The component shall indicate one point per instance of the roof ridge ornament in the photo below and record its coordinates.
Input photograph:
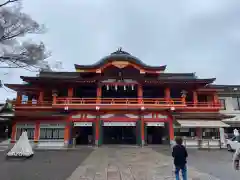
(120, 51)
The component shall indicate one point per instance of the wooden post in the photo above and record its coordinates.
(171, 129)
(37, 132)
(13, 135)
(167, 95)
(140, 94)
(70, 94)
(142, 130)
(215, 100)
(40, 97)
(54, 99)
(66, 133)
(97, 124)
(19, 98)
(54, 94)
(195, 98)
(99, 94)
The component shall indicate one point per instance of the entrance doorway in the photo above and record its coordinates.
(155, 133)
(83, 134)
(119, 133)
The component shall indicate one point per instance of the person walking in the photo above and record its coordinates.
(236, 159)
(180, 155)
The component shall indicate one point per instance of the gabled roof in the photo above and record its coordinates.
(6, 111)
(120, 55)
(202, 82)
(226, 89)
(59, 74)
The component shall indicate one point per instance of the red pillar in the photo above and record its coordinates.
(13, 135)
(167, 95)
(215, 100)
(66, 133)
(19, 98)
(37, 131)
(142, 130)
(97, 130)
(140, 94)
(195, 98)
(70, 94)
(171, 129)
(99, 94)
(40, 97)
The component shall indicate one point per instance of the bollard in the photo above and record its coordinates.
(208, 146)
(74, 142)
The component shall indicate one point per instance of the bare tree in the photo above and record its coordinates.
(15, 53)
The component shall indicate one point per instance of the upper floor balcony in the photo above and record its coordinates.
(68, 103)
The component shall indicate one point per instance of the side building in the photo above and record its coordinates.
(229, 97)
(118, 100)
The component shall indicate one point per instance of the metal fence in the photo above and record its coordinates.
(203, 143)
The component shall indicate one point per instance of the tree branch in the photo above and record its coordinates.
(8, 2)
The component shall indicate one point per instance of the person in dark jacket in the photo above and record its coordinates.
(180, 155)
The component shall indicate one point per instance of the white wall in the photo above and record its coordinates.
(230, 109)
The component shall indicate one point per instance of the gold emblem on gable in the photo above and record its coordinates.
(120, 64)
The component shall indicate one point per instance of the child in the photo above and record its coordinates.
(180, 155)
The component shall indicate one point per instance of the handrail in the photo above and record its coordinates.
(111, 101)
(117, 101)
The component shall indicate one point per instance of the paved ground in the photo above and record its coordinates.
(116, 163)
(45, 165)
(215, 162)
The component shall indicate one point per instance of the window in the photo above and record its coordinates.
(223, 104)
(236, 103)
(51, 133)
(210, 133)
(30, 133)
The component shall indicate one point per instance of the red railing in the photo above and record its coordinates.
(159, 102)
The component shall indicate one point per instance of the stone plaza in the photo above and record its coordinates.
(116, 163)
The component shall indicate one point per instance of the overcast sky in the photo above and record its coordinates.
(188, 36)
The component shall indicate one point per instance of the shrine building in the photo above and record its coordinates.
(118, 100)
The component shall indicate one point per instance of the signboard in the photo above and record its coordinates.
(52, 125)
(119, 124)
(83, 124)
(21, 125)
(155, 124)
